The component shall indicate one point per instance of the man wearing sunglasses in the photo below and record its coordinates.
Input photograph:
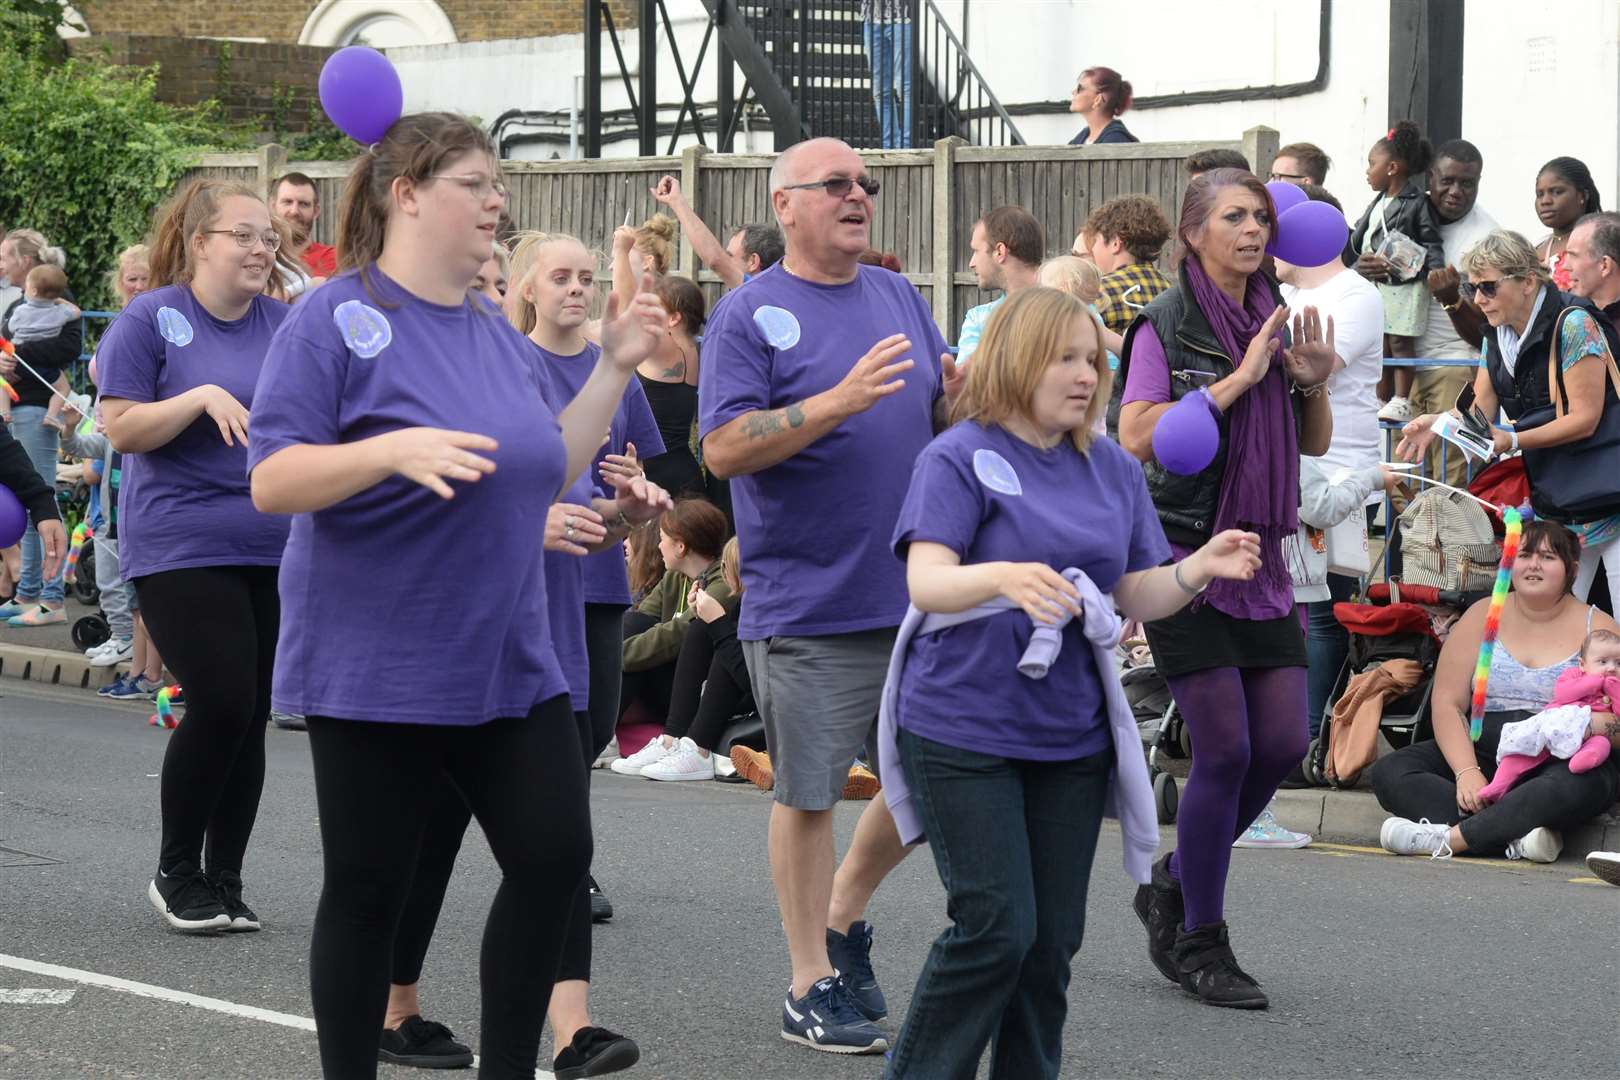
(820, 385)
(1455, 325)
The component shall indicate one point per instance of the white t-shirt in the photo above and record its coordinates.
(1440, 340)
(1358, 334)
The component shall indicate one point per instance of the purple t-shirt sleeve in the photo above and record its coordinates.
(1148, 547)
(942, 505)
(299, 393)
(735, 376)
(641, 427)
(129, 357)
(1149, 375)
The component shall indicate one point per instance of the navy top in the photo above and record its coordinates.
(1114, 132)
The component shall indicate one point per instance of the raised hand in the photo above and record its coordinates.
(1257, 359)
(639, 499)
(1309, 361)
(630, 337)
(953, 377)
(431, 456)
(667, 191)
(625, 465)
(875, 376)
(1445, 284)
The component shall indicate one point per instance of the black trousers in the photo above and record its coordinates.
(1415, 782)
(375, 787)
(216, 627)
(705, 694)
(604, 651)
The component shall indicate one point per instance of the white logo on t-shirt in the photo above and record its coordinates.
(363, 327)
(996, 472)
(779, 325)
(174, 327)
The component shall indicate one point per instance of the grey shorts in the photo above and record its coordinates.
(818, 698)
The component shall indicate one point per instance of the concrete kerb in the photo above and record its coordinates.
(1335, 816)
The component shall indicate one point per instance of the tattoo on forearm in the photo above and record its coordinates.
(764, 424)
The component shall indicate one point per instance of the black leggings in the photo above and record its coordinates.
(447, 820)
(1416, 782)
(604, 651)
(705, 696)
(522, 780)
(216, 627)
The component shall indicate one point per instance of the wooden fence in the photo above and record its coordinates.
(929, 200)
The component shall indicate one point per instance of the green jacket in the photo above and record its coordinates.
(661, 644)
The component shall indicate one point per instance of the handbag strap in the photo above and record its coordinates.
(1555, 369)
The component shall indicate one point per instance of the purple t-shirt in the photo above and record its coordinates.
(815, 528)
(989, 496)
(565, 596)
(187, 503)
(606, 579)
(397, 605)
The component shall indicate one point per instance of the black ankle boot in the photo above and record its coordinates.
(1210, 972)
(1159, 907)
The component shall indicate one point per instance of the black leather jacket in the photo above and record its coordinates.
(1411, 213)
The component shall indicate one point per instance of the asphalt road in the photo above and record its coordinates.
(1376, 966)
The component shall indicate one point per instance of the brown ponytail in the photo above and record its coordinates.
(415, 147)
(180, 219)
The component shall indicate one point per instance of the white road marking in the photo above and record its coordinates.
(36, 997)
(163, 993)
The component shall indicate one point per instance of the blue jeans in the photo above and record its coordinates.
(43, 447)
(1326, 645)
(1013, 842)
(888, 51)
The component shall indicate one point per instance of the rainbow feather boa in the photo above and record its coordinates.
(1514, 521)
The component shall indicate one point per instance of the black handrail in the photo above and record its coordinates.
(944, 60)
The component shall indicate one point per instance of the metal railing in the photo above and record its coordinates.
(962, 102)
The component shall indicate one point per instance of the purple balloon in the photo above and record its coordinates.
(1286, 196)
(1186, 437)
(1311, 234)
(13, 518)
(360, 92)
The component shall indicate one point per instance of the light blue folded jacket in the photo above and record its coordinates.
(1130, 793)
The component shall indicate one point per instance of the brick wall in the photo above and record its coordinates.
(244, 77)
(280, 21)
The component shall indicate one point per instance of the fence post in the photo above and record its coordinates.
(691, 167)
(1260, 147)
(943, 252)
(272, 163)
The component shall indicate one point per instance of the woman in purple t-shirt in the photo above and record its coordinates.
(1009, 774)
(1235, 659)
(177, 370)
(401, 421)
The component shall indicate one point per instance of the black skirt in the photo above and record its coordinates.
(1202, 638)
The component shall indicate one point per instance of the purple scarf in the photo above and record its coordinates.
(1260, 487)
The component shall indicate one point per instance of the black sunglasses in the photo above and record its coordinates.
(838, 187)
(1487, 289)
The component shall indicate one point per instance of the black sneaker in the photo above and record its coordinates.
(1210, 972)
(423, 1044)
(595, 1052)
(228, 884)
(188, 901)
(851, 957)
(1159, 907)
(601, 907)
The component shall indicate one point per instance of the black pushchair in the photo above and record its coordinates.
(1164, 733)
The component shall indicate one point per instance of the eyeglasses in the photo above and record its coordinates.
(1290, 178)
(838, 187)
(246, 238)
(481, 186)
(1487, 289)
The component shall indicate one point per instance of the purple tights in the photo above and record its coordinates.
(1248, 731)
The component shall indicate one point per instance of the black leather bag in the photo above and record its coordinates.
(1580, 481)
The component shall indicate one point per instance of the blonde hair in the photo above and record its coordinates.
(1025, 336)
(656, 240)
(731, 565)
(503, 260)
(31, 244)
(521, 265)
(1071, 274)
(183, 218)
(1507, 252)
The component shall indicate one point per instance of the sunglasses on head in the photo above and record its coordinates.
(838, 187)
(1487, 289)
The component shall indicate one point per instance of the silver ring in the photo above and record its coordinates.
(568, 523)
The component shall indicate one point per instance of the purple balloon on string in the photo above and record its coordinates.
(361, 93)
(1186, 437)
(1310, 234)
(13, 518)
(1284, 196)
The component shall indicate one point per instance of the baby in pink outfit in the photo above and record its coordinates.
(1566, 728)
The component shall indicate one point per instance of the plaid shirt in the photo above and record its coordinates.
(1128, 290)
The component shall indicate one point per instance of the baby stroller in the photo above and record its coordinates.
(1397, 623)
(73, 503)
(1164, 734)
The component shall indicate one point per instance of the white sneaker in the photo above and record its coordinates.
(1267, 832)
(682, 763)
(1398, 409)
(96, 650)
(1398, 836)
(1605, 864)
(654, 751)
(114, 652)
(609, 754)
(724, 768)
(1540, 844)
